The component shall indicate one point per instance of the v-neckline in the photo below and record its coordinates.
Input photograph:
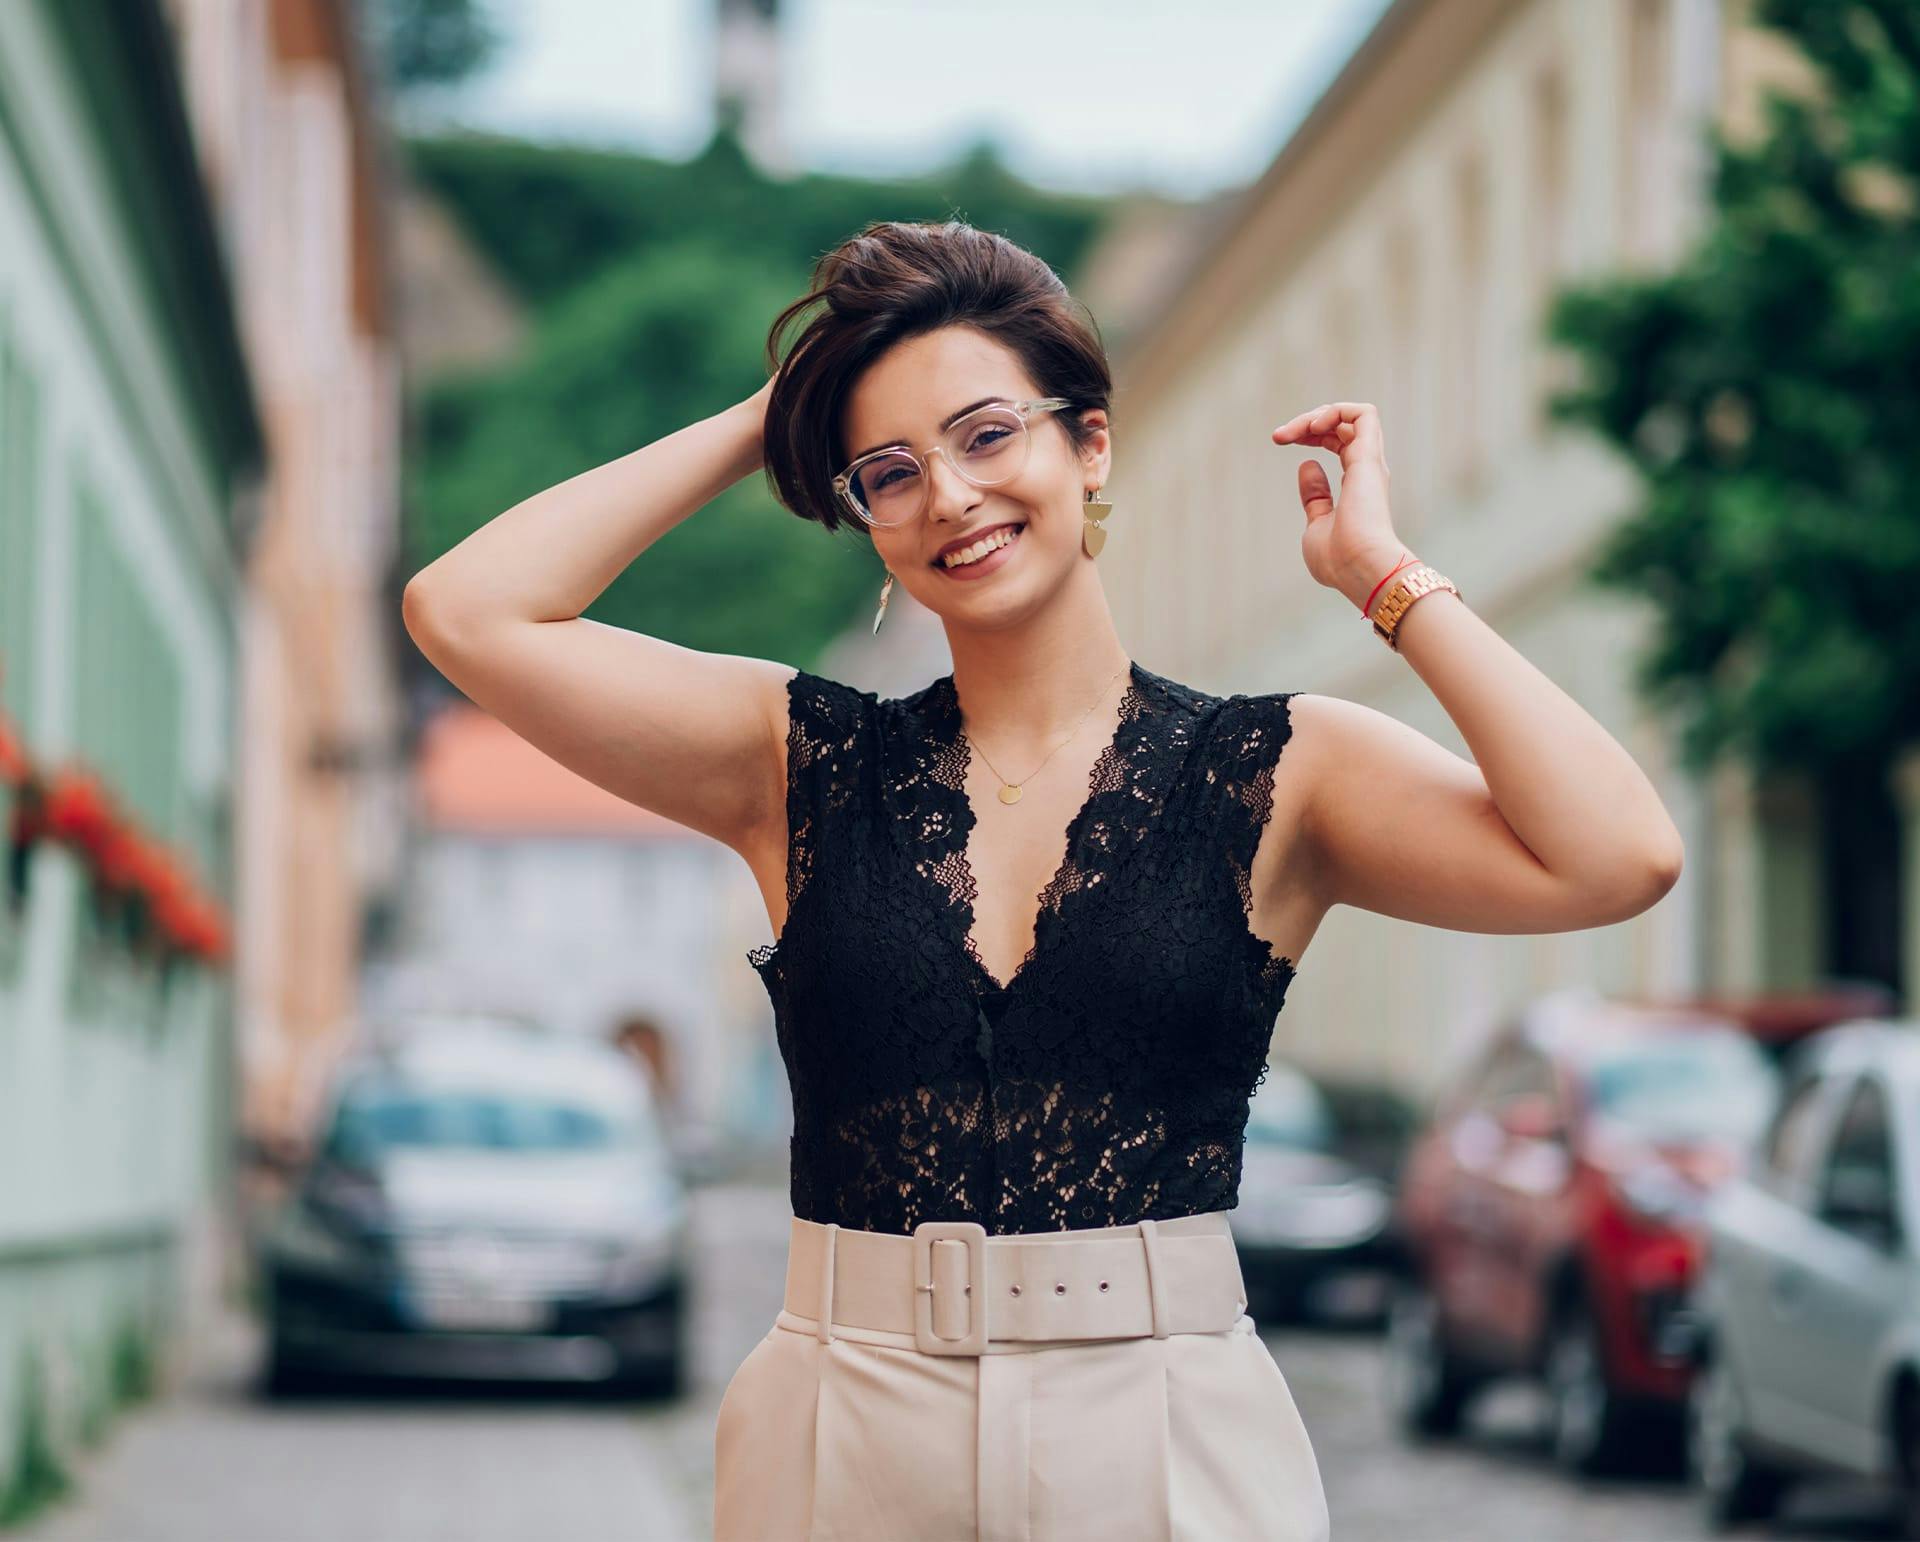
(960, 912)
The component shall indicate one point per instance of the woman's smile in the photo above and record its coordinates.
(1000, 541)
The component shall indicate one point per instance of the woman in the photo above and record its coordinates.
(1035, 919)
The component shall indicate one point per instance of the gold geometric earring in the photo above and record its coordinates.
(1093, 534)
(886, 592)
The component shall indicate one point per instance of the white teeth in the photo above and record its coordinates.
(980, 548)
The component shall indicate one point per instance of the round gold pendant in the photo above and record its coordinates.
(1010, 793)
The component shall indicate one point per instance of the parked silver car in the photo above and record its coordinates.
(483, 1202)
(1808, 1311)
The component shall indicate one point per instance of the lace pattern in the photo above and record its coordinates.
(1108, 1078)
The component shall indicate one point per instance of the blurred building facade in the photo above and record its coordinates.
(129, 451)
(1401, 249)
(198, 467)
(291, 136)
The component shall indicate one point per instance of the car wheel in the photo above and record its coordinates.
(1586, 1421)
(1735, 1486)
(1426, 1386)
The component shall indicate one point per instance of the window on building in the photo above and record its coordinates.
(126, 689)
(1547, 224)
(1644, 104)
(19, 528)
(1409, 506)
(127, 700)
(1464, 392)
(19, 546)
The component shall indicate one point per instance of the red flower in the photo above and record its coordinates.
(14, 767)
(157, 875)
(73, 805)
(195, 926)
(79, 809)
(118, 856)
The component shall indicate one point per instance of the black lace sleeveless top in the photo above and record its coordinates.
(1108, 1080)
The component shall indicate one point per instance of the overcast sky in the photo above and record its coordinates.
(1185, 95)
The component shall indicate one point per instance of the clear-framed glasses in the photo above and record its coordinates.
(988, 446)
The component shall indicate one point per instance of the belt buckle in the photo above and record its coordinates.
(974, 1341)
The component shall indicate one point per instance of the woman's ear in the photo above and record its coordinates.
(1097, 449)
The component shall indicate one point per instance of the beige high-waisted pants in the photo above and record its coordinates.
(861, 1434)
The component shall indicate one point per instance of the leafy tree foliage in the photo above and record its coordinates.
(550, 214)
(1766, 391)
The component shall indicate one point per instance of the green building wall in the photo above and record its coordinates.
(125, 427)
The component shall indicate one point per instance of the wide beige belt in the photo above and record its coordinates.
(956, 1289)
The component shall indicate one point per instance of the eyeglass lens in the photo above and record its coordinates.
(988, 447)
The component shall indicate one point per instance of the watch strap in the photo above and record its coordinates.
(1409, 586)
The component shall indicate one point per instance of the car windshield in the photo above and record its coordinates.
(374, 1119)
(1289, 1110)
(1684, 1086)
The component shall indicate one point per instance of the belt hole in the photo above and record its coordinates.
(1014, 1288)
(1103, 1284)
(1059, 1288)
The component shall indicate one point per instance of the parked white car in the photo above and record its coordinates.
(1808, 1325)
(485, 1201)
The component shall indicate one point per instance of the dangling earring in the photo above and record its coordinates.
(1093, 534)
(886, 592)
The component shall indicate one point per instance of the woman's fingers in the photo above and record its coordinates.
(1320, 422)
(1316, 492)
(1342, 427)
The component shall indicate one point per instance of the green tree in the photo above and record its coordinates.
(1766, 392)
(642, 349)
(550, 215)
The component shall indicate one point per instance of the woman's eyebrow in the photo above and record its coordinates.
(945, 423)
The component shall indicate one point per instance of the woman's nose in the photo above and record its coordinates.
(944, 481)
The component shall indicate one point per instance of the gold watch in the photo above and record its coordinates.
(1410, 585)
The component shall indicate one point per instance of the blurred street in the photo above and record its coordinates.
(214, 1464)
(218, 1463)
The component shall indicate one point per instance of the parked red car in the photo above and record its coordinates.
(1550, 1214)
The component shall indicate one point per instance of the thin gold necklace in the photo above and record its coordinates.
(1010, 791)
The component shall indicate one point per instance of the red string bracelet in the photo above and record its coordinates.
(1377, 587)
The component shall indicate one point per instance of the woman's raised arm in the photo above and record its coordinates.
(686, 733)
(1550, 827)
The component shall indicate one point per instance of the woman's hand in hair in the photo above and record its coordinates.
(758, 401)
(1349, 544)
(752, 415)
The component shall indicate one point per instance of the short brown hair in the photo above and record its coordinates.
(896, 280)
